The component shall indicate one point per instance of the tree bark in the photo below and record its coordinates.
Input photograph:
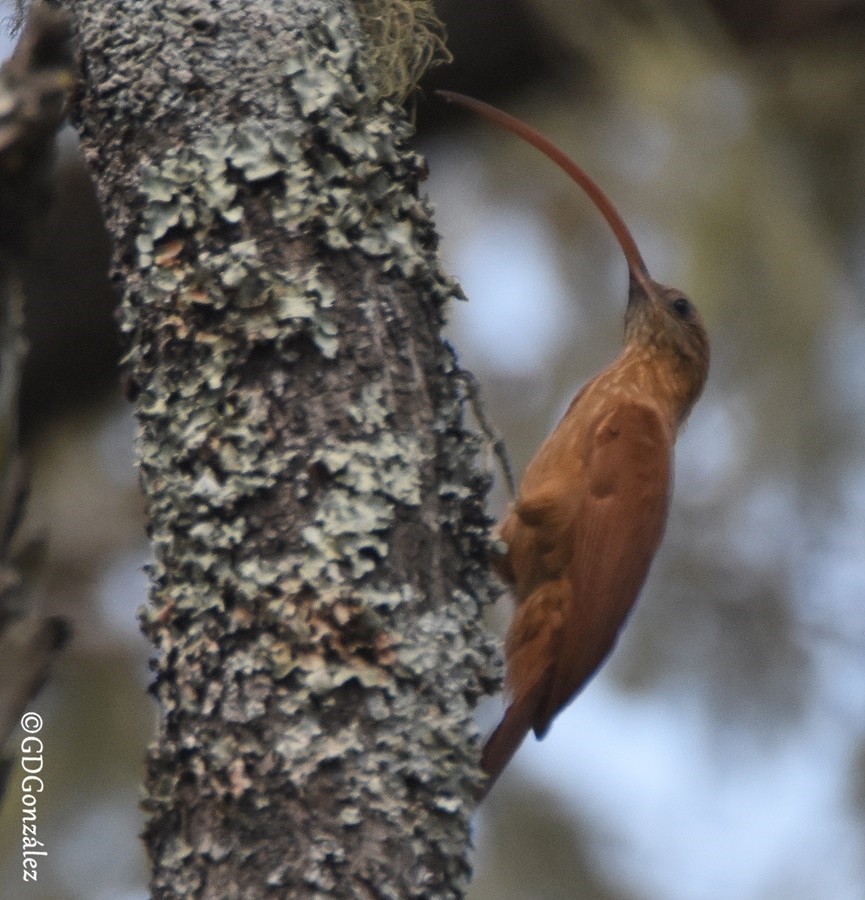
(316, 512)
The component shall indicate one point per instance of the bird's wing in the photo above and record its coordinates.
(618, 524)
(536, 523)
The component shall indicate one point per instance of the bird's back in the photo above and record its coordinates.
(581, 544)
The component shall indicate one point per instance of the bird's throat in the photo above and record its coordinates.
(643, 375)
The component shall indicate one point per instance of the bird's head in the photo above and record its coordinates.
(664, 322)
(658, 318)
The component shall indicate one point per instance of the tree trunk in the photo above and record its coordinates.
(316, 512)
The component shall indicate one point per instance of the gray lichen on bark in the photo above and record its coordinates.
(315, 507)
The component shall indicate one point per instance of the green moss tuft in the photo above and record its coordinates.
(406, 38)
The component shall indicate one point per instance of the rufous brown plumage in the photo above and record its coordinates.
(592, 505)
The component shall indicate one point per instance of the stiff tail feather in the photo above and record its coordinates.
(504, 742)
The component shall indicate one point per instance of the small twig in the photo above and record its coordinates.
(494, 440)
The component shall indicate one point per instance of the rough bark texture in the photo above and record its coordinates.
(315, 509)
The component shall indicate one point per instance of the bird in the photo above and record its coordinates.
(591, 508)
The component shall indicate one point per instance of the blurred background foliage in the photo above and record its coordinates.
(721, 752)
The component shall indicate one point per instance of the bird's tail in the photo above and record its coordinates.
(504, 742)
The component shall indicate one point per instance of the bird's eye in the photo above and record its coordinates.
(682, 307)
